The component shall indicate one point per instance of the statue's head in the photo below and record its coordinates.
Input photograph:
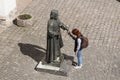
(54, 14)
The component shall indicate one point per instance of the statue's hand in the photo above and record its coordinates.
(67, 28)
(68, 32)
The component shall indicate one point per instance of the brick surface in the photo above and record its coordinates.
(99, 20)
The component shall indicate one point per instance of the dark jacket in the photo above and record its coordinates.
(76, 44)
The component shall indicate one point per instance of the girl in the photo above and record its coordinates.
(77, 47)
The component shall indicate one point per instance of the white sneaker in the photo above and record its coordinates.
(81, 65)
(78, 67)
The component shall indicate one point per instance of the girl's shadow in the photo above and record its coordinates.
(35, 52)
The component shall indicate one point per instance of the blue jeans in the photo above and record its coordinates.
(79, 57)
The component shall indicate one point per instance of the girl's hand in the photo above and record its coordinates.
(68, 32)
(76, 52)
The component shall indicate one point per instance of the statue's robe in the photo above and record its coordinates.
(54, 40)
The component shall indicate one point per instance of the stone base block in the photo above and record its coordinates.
(62, 70)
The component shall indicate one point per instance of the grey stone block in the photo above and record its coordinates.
(63, 69)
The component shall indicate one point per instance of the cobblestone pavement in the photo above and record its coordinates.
(3, 25)
(22, 48)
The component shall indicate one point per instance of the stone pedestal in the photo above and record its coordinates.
(63, 69)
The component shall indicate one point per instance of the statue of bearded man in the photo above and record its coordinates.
(54, 38)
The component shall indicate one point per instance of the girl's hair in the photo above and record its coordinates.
(76, 32)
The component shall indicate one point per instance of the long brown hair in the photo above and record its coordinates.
(76, 32)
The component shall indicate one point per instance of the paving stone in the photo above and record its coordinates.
(99, 20)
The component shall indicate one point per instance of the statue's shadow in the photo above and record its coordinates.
(35, 52)
(118, 0)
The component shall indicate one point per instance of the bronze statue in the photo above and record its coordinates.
(54, 38)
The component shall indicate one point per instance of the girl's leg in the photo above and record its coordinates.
(79, 56)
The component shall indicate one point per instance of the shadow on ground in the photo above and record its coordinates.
(118, 0)
(71, 58)
(35, 52)
(67, 57)
(15, 22)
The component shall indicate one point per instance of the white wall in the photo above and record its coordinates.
(6, 6)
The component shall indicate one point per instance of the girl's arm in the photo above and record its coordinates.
(73, 37)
